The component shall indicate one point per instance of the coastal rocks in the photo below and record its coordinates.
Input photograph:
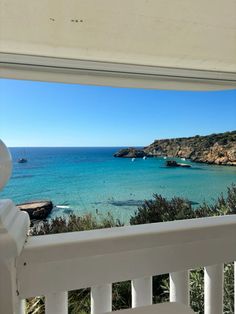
(37, 210)
(174, 164)
(218, 149)
(130, 153)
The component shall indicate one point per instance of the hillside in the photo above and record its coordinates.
(217, 149)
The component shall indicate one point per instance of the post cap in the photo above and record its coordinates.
(5, 164)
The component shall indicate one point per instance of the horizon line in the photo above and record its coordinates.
(76, 146)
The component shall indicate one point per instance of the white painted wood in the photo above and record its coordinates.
(101, 299)
(5, 164)
(235, 285)
(179, 287)
(163, 308)
(8, 294)
(99, 257)
(56, 303)
(14, 226)
(141, 292)
(128, 68)
(22, 307)
(124, 31)
(213, 289)
(112, 74)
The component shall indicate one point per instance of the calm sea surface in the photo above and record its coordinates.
(86, 180)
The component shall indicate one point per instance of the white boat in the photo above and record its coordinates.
(145, 157)
(62, 206)
(133, 159)
(183, 158)
(164, 157)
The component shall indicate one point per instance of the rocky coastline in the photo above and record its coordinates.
(130, 153)
(37, 210)
(218, 149)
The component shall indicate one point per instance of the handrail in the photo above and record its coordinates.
(51, 265)
(89, 258)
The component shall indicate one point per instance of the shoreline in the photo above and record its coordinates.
(215, 149)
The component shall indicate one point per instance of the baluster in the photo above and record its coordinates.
(234, 287)
(213, 289)
(56, 303)
(14, 225)
(179, 287)
(22, 307)
(141, 292)
(101, 299)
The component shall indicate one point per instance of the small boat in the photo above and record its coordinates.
(63, 206)
(22, 160)
(183, 158)
(164, 157)
(145, 157)
(184, 165)
(133, 159)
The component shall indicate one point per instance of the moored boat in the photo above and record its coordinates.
(22, 160)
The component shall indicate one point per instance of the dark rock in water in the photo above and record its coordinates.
(173, 163)
(127, 203)
(37, 210)
(130, 153)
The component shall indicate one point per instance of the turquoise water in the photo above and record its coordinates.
(92, 180)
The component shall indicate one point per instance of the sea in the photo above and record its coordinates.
(90, 180)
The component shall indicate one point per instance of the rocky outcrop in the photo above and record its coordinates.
(130, 153)
(219, 149)
(38, 210)
(174, 164)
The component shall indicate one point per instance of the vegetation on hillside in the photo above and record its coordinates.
(219, 149)
(157, 210)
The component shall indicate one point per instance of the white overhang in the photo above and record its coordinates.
(184, 44)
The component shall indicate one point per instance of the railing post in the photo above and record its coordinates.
(22, 307)
(56, 303)
(14, 226)
(101, 299)
(235, 286)
(213, 289)
(141, 291)
(179, 287)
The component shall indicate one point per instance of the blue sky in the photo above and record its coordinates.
(51, 114)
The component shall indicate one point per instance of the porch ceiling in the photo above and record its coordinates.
(184, 34)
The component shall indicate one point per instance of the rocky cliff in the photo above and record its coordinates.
(217, 149)
(37, 210)
(130, 153)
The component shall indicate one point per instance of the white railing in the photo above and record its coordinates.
(51, 265)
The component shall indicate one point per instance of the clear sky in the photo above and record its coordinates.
(51, 114)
